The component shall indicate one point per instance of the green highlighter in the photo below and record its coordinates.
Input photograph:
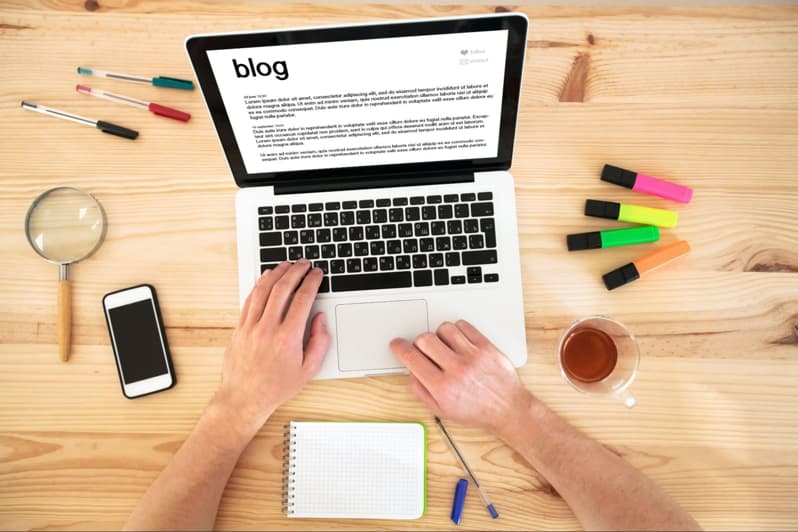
(613, 238)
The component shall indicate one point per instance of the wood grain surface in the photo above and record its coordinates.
(705, 96)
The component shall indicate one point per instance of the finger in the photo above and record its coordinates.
(417, 388)
(299, 309)
(316, 348)
(262, 290)
(473, 335)
(245, 308)
(440, 353)
(248, 300)
(417, 362)
(284, 290)
(454, 338)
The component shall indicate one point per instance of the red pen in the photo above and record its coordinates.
(152, 107)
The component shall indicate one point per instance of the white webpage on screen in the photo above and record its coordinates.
(364, 102)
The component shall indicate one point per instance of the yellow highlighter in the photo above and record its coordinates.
(635, 214)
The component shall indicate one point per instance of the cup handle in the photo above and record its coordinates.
(626, 398)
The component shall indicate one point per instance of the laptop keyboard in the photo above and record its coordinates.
(397, 242)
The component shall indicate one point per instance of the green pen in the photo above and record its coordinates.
(613, 238)
(158, 81)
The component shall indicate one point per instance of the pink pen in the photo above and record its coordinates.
(152, 107)
(646, 184)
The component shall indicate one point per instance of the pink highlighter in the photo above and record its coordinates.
(646, 184)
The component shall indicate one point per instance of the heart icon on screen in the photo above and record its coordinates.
(464, 52)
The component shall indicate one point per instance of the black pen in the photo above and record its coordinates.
(105, 127)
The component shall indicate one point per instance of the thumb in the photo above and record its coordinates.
(316, 348)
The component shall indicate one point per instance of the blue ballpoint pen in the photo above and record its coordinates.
(484, 496)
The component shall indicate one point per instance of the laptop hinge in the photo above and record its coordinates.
(299, 187)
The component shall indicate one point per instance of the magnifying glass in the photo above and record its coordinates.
(65, 225)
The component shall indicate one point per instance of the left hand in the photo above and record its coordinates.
(267, 363)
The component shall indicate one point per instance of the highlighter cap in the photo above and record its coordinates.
(618, 176)
(602, 209)
(621, 276)
(580, 241)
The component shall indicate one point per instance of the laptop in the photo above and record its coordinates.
(380, 153)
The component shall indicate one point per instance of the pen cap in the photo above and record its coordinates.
(173, 83)
(119, 131)
(618, 176)
(168, 112)
(602, 209)
(580, 241)
(460, 491)
(620, 276)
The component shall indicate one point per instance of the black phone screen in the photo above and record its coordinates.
(138, 341)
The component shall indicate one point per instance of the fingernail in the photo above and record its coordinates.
(303, 260)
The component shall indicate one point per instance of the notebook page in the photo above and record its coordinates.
(357, 470)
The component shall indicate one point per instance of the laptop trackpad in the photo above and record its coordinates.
(364, 330)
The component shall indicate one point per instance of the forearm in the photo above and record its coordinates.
(186, 494)
(604, 491)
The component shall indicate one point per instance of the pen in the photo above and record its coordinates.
(460, 491)
(612, 238)
(152, 107)
(632, 271)
(646, 184)
(105, 127)
(484, 496)
(158, 81)
(635, 214)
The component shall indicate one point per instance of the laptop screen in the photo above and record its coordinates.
(327, 106)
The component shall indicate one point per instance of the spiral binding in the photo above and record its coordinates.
(289, 446)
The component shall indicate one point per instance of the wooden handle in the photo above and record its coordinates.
(64, 319)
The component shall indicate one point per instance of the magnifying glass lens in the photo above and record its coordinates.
(65, 225)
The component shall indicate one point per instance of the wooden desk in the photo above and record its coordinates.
(708, 97)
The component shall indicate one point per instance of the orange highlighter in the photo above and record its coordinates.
(632, 271)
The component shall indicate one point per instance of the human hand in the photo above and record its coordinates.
(460, 375)
(266, 363)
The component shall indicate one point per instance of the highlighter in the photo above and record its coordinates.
(635, 214)
(646, 184)
(632, 271)
(612, 238)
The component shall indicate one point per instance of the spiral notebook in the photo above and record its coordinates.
(355, 470)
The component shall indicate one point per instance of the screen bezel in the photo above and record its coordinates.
(516, 24)
(127, 297)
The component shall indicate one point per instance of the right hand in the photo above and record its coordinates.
(460, 375)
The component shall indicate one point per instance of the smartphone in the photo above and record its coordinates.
(139, 342)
